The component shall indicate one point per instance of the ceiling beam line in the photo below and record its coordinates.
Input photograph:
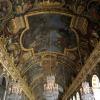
(89, 65)
(10, 67)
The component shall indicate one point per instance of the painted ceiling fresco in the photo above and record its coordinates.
(4, 8)
(51, 37)
(49, 33)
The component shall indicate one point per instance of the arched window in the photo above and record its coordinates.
(70, 98)
(96, 87)
(74, 98)
(77, 96)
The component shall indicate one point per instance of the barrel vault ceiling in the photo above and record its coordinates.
(57, 38)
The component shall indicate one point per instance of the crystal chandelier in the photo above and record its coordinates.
(14, 91)
(51, 91)
(86, 92)
(14, 88)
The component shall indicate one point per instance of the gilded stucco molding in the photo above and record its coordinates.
(8, 64)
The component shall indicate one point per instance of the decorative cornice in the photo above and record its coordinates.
(49, 3)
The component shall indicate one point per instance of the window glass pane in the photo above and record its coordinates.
(77, 96)
(74, 98)
(70, 98)
(96, 87)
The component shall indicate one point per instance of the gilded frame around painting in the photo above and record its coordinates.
(33, 13)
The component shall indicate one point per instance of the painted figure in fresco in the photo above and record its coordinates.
(49, 34)
(94, 10)
(94, 14)
(3, 8)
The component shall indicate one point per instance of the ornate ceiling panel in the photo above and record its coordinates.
(45, 36)
(49, 33)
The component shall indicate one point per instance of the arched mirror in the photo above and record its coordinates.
(96, 87)
(78, 96)
(70, 98)
(74, 98)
